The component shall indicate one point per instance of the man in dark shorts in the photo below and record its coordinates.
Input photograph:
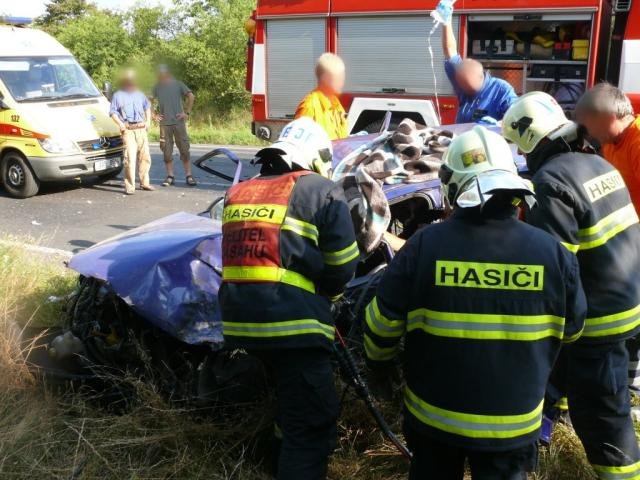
(172, 114)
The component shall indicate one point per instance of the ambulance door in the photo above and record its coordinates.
(4, 116)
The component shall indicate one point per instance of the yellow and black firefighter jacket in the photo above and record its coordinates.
(288, 247)
(584, 203)
(485, 305)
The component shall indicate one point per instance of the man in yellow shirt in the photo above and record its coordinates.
(323, 103)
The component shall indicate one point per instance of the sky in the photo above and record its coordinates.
(35, 8)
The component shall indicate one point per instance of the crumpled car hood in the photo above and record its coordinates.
(168, 271)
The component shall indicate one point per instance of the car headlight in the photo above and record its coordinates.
(58, 145)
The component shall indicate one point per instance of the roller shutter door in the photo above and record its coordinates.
(293, 45)
(391, 52)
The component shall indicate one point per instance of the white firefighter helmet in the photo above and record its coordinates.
(476, 164)
(531, 118)
(303, 144)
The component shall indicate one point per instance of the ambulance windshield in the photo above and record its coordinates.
(34, 79)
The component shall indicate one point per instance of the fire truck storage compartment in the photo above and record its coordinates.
(292, 46)
(388, 54)
(534, 51)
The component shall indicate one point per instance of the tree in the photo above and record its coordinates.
(61, 11)
(100, 43)
(147, 26)
(211, 55)
(203, 40)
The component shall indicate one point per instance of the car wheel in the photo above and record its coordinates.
(18, 178)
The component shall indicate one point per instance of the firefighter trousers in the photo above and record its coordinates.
(307, 410)
(595, 379)
(436, 460)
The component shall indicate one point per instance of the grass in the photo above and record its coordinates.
(231, 128)
(30, 288)
(52, 434)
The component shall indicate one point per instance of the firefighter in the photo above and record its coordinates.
(288, 249)
(481, 97)
(485, 302)
(323, 104)
(583, 202)
(608, 116)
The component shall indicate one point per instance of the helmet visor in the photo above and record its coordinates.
(481, 188)
(286, 149)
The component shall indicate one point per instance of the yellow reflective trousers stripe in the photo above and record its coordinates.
(278, 329)
(472, 425)
(342, 256)
(614, 324)
(562, 404)
(376, 353)
(626, 472)
(607, 228)
(381, 325)
(304, 229)
(267, 274)
(479, 326)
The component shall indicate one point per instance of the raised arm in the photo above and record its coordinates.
(449, 43)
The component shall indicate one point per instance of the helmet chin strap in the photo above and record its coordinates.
(566, 134)
(483, 200)
(320, 167)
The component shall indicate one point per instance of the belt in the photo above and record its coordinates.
(136, 126)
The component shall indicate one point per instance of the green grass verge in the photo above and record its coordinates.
(32, 285)
(232, 128)
(65, 435)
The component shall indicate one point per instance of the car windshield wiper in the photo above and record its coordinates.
(45, 98)
(77, 95)
(42, 98)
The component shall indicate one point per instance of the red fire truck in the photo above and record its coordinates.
(561, 47)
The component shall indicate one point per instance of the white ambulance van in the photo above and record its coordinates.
(54, 122)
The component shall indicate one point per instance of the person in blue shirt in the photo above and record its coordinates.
(479, 94)
(131, 111)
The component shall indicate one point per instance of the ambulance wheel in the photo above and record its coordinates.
(18, 178)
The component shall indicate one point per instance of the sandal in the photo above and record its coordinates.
(191, 181)
(169, 181)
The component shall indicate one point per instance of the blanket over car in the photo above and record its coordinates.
(411, 154)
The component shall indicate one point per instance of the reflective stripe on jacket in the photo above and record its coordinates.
(479, 301)
(584, 203)
(288, 245)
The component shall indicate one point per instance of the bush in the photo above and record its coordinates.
(203, 40)
(99, 42)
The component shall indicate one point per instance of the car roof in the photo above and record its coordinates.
(16, 41)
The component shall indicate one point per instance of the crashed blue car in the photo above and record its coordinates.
(150, 294)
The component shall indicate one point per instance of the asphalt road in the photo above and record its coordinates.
(75, 215)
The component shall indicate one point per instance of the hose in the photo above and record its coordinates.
(362, 389)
